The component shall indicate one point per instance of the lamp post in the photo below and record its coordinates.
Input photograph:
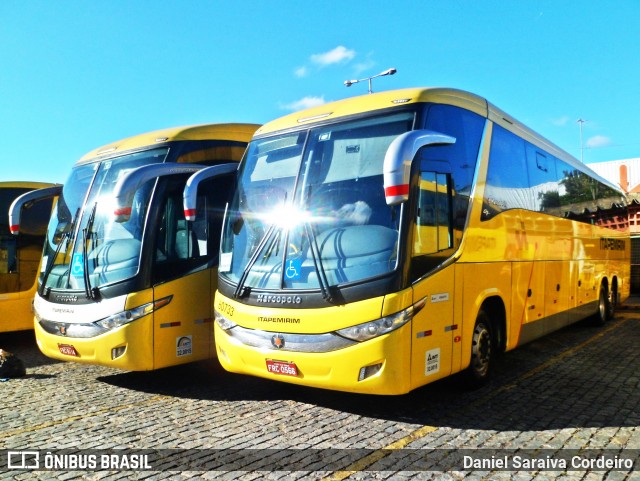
(581, 122)
(349, 83)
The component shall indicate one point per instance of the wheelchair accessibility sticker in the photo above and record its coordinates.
(77, 265)
(294, 266)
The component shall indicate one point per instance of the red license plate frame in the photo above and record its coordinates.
(68, 350)
(282, 368)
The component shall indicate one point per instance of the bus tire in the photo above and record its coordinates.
(483, 352)
(605, 307)
(613, 299)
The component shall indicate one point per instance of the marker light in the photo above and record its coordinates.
(130, 315)
(368, 371)
(117, 352)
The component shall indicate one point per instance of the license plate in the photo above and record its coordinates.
(283, 368)
(68, 349)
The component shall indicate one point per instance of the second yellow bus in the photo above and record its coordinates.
(126, 280)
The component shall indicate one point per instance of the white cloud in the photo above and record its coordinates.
(363, 66)
(560, 121)
(598, 141)
(339, 54)
(304, 103)
(301, 72)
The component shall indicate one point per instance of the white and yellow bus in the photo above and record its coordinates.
(20, 255)
(380, 243)
(126, 281)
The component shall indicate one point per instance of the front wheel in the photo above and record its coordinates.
(482, 352)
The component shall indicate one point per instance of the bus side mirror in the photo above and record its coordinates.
(398, 159)
(15, 211)
(127, 185)
(190, 195)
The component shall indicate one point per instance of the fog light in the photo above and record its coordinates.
(369, 371)
(116, 352)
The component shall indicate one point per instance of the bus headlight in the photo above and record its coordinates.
(130, 315)
(371, 329)
(224, 323)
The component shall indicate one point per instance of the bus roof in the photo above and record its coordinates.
(24, 185)
(376, 101)
(398, 98)
(231, 132)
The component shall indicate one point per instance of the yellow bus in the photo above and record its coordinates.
(126, 281)
(20, 255)
(379, 243)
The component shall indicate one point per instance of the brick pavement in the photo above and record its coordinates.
(576, 389)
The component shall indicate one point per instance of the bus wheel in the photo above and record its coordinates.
(482, 352)
(613, 300)
(605, 308)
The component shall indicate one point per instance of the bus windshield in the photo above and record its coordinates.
(310, 212)
(85, 247)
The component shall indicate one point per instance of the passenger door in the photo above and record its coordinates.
(185, 267)
(433, 242)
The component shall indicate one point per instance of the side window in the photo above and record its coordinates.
(507, 185)
(433, 233)
(8, 257)
(467, 127)
(9, 281)
(182, 246)
(543, 180)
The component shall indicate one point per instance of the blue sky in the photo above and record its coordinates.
(77, 74)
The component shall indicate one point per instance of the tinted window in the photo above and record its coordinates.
(507, 178)
(522, 176)
(467, 127)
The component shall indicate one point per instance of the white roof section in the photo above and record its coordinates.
(610, 170)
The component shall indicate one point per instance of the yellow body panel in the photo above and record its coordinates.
(177, 333)
(332, 370)
(17, 289)
(309, 321)
(183, 330)
(136, 337)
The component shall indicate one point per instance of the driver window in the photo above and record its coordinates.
(182, 246)
(433, 224)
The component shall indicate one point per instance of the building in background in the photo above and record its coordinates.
(626, 174)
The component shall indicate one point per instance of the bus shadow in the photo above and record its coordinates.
(23, 345)
(553, 383)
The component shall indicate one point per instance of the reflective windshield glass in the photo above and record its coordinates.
(85, 247)
(310, 210)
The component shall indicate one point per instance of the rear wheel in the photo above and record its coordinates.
(482, 352)
(605, 307)
(613, 300)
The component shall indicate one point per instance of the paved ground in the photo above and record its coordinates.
(572, 396)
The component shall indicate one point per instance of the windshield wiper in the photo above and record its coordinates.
(317, 261)
(66, 237)
(92, 293)
(245, 272)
